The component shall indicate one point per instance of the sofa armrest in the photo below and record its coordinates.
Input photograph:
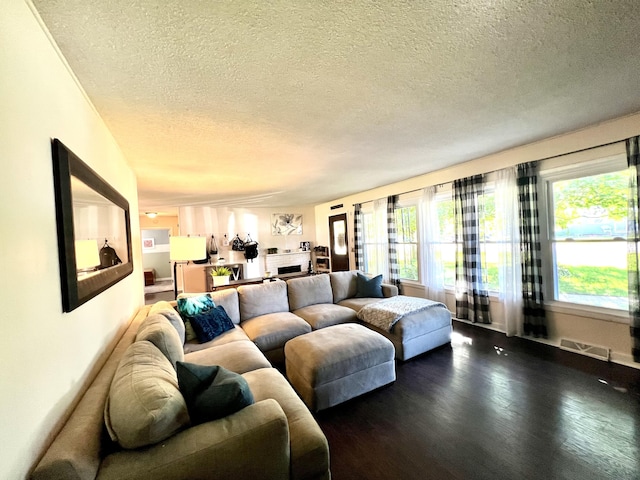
(252, 443)
(389, 290)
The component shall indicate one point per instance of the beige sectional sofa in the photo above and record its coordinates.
(275, 437)
(113, 434)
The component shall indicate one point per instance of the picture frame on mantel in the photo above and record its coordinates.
(286, 224)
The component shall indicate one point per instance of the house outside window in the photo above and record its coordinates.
(587, 232)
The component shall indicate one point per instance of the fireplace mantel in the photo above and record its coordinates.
(275, 260)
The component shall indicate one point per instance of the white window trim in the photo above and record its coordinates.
(596, 161)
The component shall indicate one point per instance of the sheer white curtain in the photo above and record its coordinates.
(509, 269)
(380, 255)
(431, 256)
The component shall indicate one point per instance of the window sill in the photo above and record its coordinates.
(587, 311)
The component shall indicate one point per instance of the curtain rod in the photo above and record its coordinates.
(492, 171)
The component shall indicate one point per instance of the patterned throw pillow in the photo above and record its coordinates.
(211, 323)
(188, 307)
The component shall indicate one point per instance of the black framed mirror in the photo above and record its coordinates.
(94, 230)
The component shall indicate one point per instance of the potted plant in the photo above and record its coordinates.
(220, 276)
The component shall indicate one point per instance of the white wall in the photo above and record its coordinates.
(574, 324)
(255, 221)
(46, 355)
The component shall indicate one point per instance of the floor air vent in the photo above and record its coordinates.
(595, 351)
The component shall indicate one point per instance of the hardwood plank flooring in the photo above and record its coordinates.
(491, 407)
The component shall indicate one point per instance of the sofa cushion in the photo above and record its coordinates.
(159, 331)
(227, 337)
(211, 391)
(211, 323)
(228, 298)
(144, 405)
(309, 447)
(307, 291)
(272, 331)
(343, 285)
(326, 314)
(368, 287)
(164, 308)
(356, 303)
(262, 299)
(239, 357)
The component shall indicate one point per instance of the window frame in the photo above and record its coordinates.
(368, 211)
(597, 161)
(408, 201)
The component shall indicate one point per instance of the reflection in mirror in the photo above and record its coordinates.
(97, 220)
(339, 232)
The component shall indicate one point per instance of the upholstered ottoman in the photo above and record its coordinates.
(334, 364)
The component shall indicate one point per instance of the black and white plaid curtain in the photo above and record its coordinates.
(535, 322)
(633, 239)
(394, 277)
(472, 299)
(357, 236)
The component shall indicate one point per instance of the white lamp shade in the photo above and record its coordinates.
(87, 255)
(183, 249)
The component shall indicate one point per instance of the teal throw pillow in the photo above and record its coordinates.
(368, 287)
(190, 306)
(211, 391)
(211, 323)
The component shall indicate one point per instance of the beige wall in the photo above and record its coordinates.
(580, 326)
(47, 355)
(168, 222)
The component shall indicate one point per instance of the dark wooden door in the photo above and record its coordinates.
(339, 243)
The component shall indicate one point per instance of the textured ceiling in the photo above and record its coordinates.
(281, 103)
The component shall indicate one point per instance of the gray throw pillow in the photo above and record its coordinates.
(212, 392)
(369, 287)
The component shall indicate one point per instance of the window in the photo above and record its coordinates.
(447, 232)
(587, 209)
(494, 241)
(407, 242)
(374, 240)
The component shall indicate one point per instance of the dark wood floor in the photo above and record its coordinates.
(493, 408)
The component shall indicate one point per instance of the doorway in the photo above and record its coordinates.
(156, 263)
(339, 243)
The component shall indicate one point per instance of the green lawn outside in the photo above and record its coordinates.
(573, 280)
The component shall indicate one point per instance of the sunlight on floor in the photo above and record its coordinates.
(459, 339)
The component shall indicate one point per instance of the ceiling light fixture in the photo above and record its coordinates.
(151, 214)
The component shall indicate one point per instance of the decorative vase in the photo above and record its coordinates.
(219, 281)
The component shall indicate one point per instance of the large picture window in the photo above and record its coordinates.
(587, 210)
